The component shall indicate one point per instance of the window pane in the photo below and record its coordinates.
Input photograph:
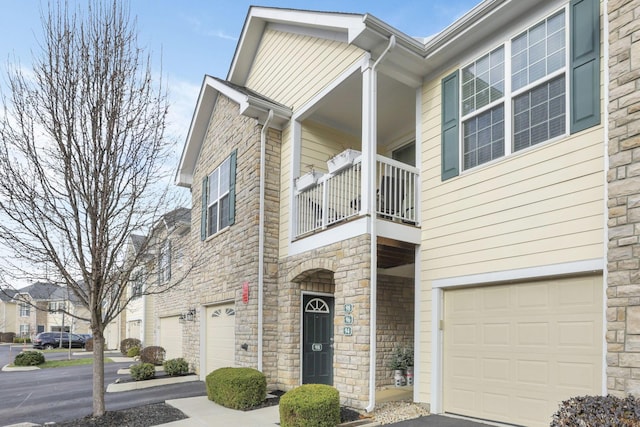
(539, 114)
(484, 137)
(213, 218)
(540, 50)
(224, 176)
(213, 187)
(224, 212)
(483, 81)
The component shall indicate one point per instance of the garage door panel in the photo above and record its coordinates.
(171, 336)
(515, 364)
(220, 336)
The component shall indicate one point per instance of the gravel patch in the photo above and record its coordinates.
(393, 412)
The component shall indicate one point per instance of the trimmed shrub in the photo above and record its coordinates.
(21, 340)
(237, 388)
(29, 358)
(176, 367)
(143, 371)
(310, 405)
(597, 411)
(133, 352)
(153, 354)
(127, 343)
(88, 344)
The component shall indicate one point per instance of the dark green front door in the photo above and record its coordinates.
(317, 338)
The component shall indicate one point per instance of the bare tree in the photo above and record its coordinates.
(81, 161)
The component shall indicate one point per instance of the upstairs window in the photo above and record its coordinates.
(541, 84)
(165, 262)
(136, 285)
(218, 198)
(25, 309)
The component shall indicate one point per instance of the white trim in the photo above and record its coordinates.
(605, 209)
(334, 234)
(567, 268)
(437, 350)
(417, 320)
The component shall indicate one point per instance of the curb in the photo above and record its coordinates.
(7, 368)
(137, 385)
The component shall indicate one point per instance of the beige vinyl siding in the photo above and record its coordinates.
(320, 143)
(149, 320)
(537, 207)
(292, 68)
(285, 188)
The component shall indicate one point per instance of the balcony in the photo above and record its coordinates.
(336, 197)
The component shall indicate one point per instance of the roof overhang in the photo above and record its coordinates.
(249, 105)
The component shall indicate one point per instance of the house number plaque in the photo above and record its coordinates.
(316, 347)
(348, 331)
(348, 319)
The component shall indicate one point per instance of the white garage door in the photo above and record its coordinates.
(171, 336)
(220, 337)
(513, 352)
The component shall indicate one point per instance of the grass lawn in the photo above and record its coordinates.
(72, 362)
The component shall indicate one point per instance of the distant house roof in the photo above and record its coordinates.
(177, 217)
(44, 291)
(7, 295)
(137, 241)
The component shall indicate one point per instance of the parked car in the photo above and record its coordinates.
(51, 340)
(85, 337)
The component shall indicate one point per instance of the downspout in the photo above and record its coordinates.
(373, 324)
(263, 153)
(605, 172)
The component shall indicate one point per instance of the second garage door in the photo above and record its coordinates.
(171, 336)
(220, 337)
(513, 352)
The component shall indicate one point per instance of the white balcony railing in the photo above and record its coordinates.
(337, 197)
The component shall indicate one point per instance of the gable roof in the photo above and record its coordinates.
(250, 103)
(43, 291)
(177, 218)
(7, 295)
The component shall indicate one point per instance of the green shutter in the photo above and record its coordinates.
(232, 187)
(585, 64)
(450, 124)
(203, 217)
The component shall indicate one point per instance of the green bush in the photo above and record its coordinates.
(133, 352)
(237, 388)
(310, 405)
(175, 367)
(29, 358)
(143, 371)
(127, 343)
(21, 340)
(153, 354)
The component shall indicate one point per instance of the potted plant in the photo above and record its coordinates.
(308, 179)
(407, 355)
(342, 160)
(397, 365)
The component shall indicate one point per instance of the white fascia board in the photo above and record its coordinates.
(249, 106)
(545, 271)
(195, 136)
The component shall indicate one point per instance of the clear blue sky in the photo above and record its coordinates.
(199, 37)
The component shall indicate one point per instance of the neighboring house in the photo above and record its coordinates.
(8, 312)
(153, 275)
(464, 213)
(40, 308)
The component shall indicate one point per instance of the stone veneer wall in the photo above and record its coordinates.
(349, 261)
(623, 291)
(395, 303)
(228, 259)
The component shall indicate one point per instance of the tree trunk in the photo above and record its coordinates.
(98, 374)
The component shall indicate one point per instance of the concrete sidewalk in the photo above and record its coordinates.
(204, 413)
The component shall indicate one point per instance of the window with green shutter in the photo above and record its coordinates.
(529, 90)
(218, 198)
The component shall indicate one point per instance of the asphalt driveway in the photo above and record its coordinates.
(61, 394)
